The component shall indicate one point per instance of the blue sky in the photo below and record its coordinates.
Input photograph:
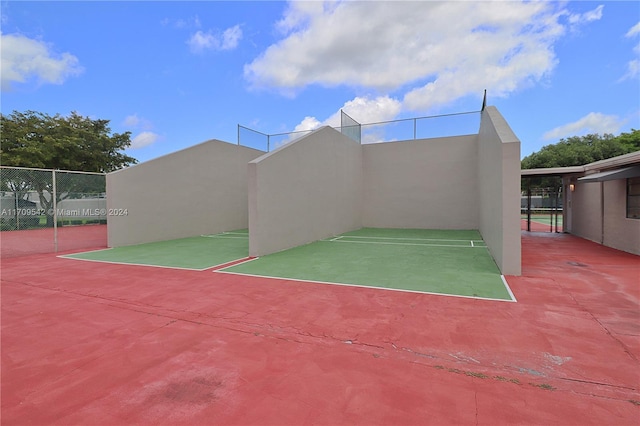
(175, 74)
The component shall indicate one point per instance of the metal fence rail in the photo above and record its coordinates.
(454, 124)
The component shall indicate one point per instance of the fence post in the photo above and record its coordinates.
(415, 122)
(15, 196)
(55, 213)
(529, 204)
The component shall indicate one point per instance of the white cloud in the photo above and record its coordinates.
(136, 121)
(23, 58)
(361, 109)
(368, 110)
(594, 122)
(633, 70)
(633, 66)
(584, 18)
(308, 123)
(435, 51)
(144, 139)
(202, 41)
(635, 30)
(131, 120)
(231, 37)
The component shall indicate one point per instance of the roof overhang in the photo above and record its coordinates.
(624, 173)
(552, 171)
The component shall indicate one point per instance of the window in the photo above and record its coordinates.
(633, 198)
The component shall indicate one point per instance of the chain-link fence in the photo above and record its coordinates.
(44, 211)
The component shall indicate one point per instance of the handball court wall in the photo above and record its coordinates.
(195, 191)
(325, 184)
(305, 191)
(499, 190)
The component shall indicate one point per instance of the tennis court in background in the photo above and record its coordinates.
(545, 219)
(447, 262)
(199, 253)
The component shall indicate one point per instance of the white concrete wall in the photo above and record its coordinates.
(499, 190)
(307, 190)
(199, 190)
(424, 183)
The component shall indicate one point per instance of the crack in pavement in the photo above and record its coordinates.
(609, 333)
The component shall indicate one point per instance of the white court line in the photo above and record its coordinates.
(67, 256)
(222, 271)
(83, 252)
(402, 244)
(336, 238)
(246, 260)
(472, 243)
(504, 281)
(402, 238)
(138, 264)
(224, 236)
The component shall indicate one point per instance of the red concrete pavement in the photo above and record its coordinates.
(90, 343)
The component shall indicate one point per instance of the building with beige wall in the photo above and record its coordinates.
(602, 200)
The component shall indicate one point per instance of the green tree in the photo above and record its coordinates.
(577, 151)
(580, 150)
(37, 140)
(34, 139)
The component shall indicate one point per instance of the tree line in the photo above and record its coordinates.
(581, 150)
(74, 142)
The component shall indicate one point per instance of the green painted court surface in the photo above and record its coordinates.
(431, 261)
(445, 262)
(199, 253)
